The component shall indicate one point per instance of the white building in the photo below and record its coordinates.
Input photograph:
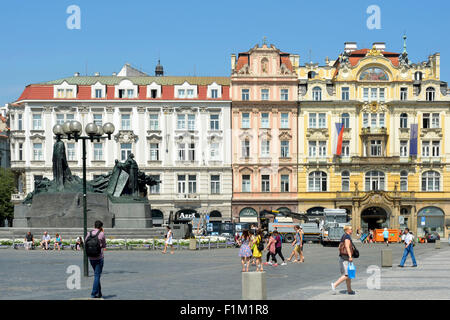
(177, 128)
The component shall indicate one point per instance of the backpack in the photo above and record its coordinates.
(92, 245)
(260, 245)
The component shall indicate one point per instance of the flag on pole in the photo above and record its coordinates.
(338, 138)
(413, 140)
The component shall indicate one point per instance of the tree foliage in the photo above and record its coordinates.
(6, 189)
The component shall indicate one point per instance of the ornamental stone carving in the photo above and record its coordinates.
(126, 136)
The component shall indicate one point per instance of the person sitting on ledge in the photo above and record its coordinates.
(45, 241)
(29, 241)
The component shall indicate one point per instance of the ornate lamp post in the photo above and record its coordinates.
(73, 130)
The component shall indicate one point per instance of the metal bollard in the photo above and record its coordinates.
(254, 286)
(437, 244)
(126, 244)
(386, 258)
(153, 244)
(209, 244)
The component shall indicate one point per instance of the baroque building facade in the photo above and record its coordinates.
(264, 132)
(391, 168)
(177, 128)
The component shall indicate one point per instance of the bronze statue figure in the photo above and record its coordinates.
(61, 170)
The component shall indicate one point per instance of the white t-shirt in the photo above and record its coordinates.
(408, 238)
(46, 237)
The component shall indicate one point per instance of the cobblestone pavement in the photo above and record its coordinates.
(216, 274)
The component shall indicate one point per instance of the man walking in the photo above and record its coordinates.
(409, 249)
(386, 236)
(95, 242)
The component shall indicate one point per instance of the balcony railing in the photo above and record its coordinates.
(376, 131)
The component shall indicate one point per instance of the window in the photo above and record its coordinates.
(20, 151)
(425, 148)
(404, 180)
(98, 119)
(71, 152)
(181, 93)
(284, 183)
(191, 122)
(284, 149)
(264, 120)
(418, 76)
(126, 121)
(381, 120)
(37, 121)
(284, 94)
(246, 120)
(322, 120)
(382, 94)
(403, 121)
(312, 148)
(98, 93)
(403, 148)
(435, 146)
(245, 148)
(245, 94)
(426, 121)
(265, 148)
(121, 93)
(37, 152)
(346, 93)
(69, 93)
(373, 120)
(125, 151)
(311, 75)
(192, 183)
(154, 95)
(265, 183)
(374, 181)
(60, 119)
(430, 181)
(366, 94)
(154, 151)
(373, 94)
(181, 183)
(191, 151)
(60, 93)
(214, 151)
(375, 148)
(312, 120)
(130, 93)
(345, 120)
(322, 149)
(214, 122)
(345, 180)
(190, 93)
(403, 93)
(246, 183)
(98, 152)
(317, 94)
(365, 120)
(215, 184)
(181, 121)
(317, 181)
(19, 122)
(214, 93)
(181, 152)
(284, 120)
(264, 94)
(155, 188)
(345, 148)
(435, 121)
(154, 122)
(430, 94)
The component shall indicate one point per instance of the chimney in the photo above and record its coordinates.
(233, 61)
(114, 73)
(77, 74)
(350, 46)
(380, 46)
(97, 74)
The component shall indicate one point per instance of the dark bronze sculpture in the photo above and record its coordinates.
(61, 170)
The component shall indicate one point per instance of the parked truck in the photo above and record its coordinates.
(333, 224)
(311, 230)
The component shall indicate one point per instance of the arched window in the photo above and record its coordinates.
(403, 120)
(404, 180)
(317, 181)
(345, 177)
(317, 94)
(345, 119)
(430, 94)
(418, 76)
(311, 75)
(374, 74)
(431, 181)
(374, 180)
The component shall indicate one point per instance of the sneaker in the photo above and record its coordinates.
(269, 263)
(275, 264)
(400, 266)
(351, 292)
(414, 266)
(284, 264)
(333, 288)
(265, 263)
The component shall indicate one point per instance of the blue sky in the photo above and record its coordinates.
(198, 36)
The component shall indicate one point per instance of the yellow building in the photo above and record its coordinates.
(394, 164)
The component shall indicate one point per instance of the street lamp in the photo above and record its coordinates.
(73, 130)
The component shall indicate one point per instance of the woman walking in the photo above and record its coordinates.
(245, 252)
(169, 241)
(257, 254)
(345, 257)
(297, 244)
(271, 250)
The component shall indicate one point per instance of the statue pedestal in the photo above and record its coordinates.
(131, 214)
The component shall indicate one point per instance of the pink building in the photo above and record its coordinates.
(264, 132)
